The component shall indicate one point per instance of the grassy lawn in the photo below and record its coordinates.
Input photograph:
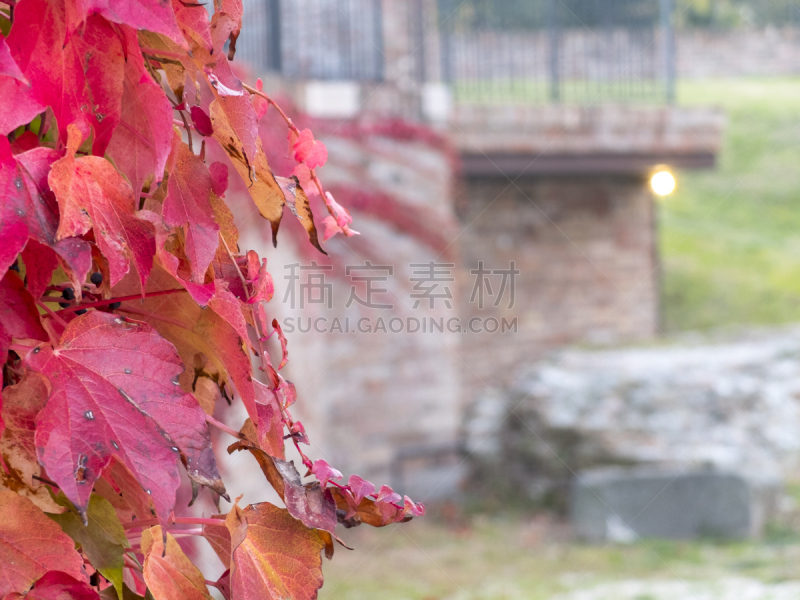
(496, 559)
(730, 238)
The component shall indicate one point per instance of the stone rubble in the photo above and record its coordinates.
(728, 405)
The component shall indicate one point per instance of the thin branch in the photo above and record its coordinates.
(222, 427)
(109, 301)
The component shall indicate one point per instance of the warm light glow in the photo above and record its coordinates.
(663, 183)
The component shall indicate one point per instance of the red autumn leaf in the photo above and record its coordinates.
(309, 503)
(142, 142)
(24, 142)
(115, 393)
(324, 472)
(8, 66)
(284, 344)
(259, 278)
(92, 194)
(257, 570)
(201, 121)
(308, 150)
(29, 208)
(55, 585)
(193, 22)
(224, 585)
(78, 76)
(270, 421)
(168, 572)
(33, 544)
(219, 177)
(256, 173)
(369, 511)
(40, 262)
(20, 105)
(201, 293)
(297, 201)
(18, 314)
(21, 403)
(200, 333)
(235, 10)
(153, 15)
(188, 205)
(234, 102)
(303, 175)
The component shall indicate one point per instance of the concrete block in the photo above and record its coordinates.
(332, 99)
(624, 504)
(437, 102)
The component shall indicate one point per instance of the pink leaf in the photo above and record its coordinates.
(303, 174)
(8, 66)
(92, 194)
(219, 177)
(201, 121)
(284, 342)
(78, 76)
(309, 151)
(19, 316)
(387, 494)
(361, 488)
(56, 585)
(324, 472)
(141, 144)
(153, 15)
(188, 205)
(29, 208)
(415, 510)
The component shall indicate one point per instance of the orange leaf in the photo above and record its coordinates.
(33, 544)
(273, 554)
(170, 575)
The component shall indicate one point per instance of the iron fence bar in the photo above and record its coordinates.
(274, 49)
(667, 31)
(554, 39)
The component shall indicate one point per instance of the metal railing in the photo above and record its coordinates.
(577, 51)
(314, 39)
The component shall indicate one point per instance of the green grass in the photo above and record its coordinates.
(730, 238)
(519, 559)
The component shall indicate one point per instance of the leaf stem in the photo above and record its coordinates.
(21, 349)
(144, 313)
(51, 313)
(235, 264)
(222, 427)
(166, 53)
(174, 520)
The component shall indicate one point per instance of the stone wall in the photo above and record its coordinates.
(585, 250)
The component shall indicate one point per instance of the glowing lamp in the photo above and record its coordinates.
(662, 183)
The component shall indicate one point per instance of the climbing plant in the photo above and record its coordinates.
(128, 311)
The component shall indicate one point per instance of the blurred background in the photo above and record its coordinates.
(571, 322)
